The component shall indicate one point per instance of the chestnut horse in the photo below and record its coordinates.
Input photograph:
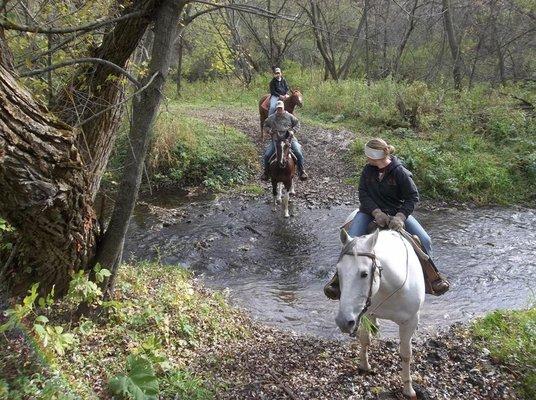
(282, 170)
(295, 99)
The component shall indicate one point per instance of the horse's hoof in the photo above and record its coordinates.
(362, 371)
(287, 215)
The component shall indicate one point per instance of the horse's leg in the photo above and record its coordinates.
(285, 200)
(292, 190)
(279, 191)
(406, 331)
(274, 193)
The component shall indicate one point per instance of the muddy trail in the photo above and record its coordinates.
(327, 159)
(275, 269)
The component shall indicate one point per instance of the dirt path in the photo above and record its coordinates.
(326, 157)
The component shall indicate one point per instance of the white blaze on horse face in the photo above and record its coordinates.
(282, 148)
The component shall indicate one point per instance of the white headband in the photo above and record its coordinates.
(374, 154)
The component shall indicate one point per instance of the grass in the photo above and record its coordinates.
(476, 145)
(510, 336)
(189, 152)
(158, 314)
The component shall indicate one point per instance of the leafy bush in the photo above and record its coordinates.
(140, 382)
(510, 336)
(190, 152)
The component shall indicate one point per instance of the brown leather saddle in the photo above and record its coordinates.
(435, 283)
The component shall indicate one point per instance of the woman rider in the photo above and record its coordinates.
(388, 195)
(278, 89)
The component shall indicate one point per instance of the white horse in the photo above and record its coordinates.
(380, 277)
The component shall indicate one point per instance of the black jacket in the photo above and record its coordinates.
(278, 88)
(396, 192)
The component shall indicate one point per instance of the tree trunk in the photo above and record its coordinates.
(96, 88)
(144, 110)
(44, 192)
(178, 76)
(352, 55)
(404, 41)
(495, 40)
(453, 43)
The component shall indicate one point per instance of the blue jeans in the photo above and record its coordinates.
(361, 220)
(273, 100)
(296, 149)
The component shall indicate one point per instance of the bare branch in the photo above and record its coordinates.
(82, 61)
(118, 104)
(88, 27)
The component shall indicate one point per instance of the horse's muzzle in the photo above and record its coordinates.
(347, 324)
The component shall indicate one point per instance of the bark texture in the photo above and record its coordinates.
(96, 88)
(43, 189)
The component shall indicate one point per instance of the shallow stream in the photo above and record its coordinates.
(275, 268)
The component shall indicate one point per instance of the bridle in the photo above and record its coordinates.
(281, 145)
(349, 249)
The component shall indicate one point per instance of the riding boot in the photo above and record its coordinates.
(436, 283)
(302, 175)
(332, 289)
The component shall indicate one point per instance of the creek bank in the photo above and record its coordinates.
(272, 364)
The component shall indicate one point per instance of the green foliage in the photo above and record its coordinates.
(189, 152)
(82, 289)
(169, 320)
(511, 338)
(140, 382)
(18, 312)
(183, 385)
(476, 145)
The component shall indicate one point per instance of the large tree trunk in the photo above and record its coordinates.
(96, 88)
(49, 173)
(144, 109)
(453, 43)
(44, 191)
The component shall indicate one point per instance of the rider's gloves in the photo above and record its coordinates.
(397, 222)
(382, 219)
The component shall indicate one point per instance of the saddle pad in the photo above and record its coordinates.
(266, 103)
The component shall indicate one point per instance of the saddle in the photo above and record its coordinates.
(431, 274)
(266, 103)
(430, 271)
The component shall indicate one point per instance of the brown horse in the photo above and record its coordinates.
(295, 99)
(282, 170)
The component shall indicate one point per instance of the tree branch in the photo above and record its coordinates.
(88, 27)
(81, 61)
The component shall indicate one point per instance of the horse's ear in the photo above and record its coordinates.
(371, 241)
(344, 236)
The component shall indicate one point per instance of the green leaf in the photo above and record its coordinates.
(41, 319)
(140, 383)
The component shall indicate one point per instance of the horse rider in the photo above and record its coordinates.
(388, 195)
(278, 89)
(282, 122)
